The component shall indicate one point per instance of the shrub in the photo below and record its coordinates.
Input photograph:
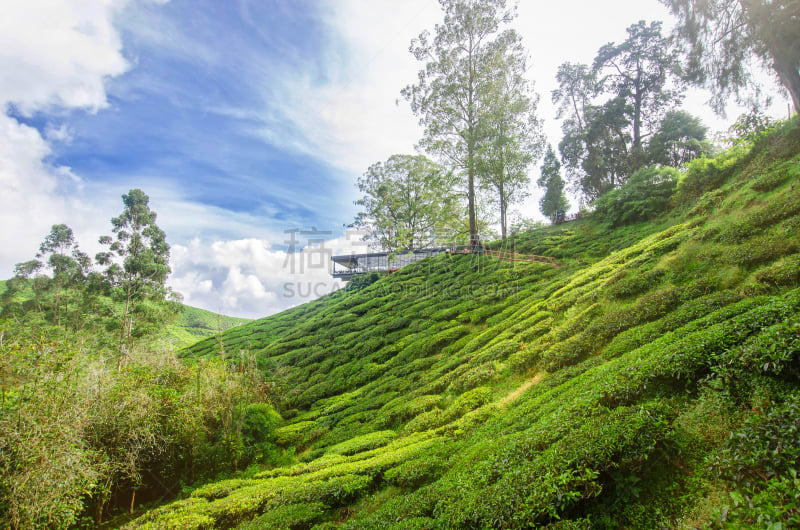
(761, 460)
(473, 378)
(645, 196)
(413, 473)
(784, 273)
(288, 516)
(706, 174)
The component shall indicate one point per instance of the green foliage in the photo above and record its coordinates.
(453, 97)
(137, 266)
(363, 443)
(464, 392)
(760, 460)
(360, 281)
(79, 438)
(553, 204)
(679, 139)
(404, 200)
(720, 39)
(706, 174)
(645, 196)
(604, 141)
(289, 516)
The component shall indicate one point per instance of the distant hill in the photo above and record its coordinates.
(196, 324)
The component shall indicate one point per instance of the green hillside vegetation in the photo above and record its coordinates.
(194, 324)
(96, 411)
(191, 325)
(649, 381)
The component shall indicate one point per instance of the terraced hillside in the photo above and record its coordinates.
(650, 381)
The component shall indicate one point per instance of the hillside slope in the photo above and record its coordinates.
(466, 392)
(195, 324)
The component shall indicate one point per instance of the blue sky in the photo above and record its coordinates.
(190, 111)
(241, 119)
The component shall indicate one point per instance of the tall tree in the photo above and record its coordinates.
(512, 138)
(605, 141)
(720, 37)
(638, 70)
(577, 88)
(137, 266)
(67, 263)
(553, 204)
(405, 199)
(448, 97)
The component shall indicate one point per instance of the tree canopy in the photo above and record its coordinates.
(720, 38)
(512, 138)
(405, 200)
(137, 266)
(614, 109)
(452, 95)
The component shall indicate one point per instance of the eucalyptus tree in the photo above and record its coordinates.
(405, 200)
(449, 96)
(720, 38)
(137, 266)
(512, 138)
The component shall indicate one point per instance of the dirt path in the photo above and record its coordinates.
(520, 389)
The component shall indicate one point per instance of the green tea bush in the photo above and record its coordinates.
(402, 409)
(707, 174)
(774, 350)
(498, 351)
(472, 378)
(627, 283)
(363, 443)
(426, 421)
(783, 273)
(770, 180)
(300, 433)
(761, 461)
(758, 251)
(301, 515)
(470, 400)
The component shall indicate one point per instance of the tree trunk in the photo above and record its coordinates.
(502, 211)
(473, 229)
(637, 119)
(790, 78)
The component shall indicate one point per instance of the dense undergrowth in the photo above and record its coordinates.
(650, 381)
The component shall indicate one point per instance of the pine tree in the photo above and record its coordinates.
(553, 204)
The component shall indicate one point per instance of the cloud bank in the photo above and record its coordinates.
(56, 58)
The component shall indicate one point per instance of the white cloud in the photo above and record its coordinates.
(354, 118)
(248, 278)
(56, 56)
(58, 53)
